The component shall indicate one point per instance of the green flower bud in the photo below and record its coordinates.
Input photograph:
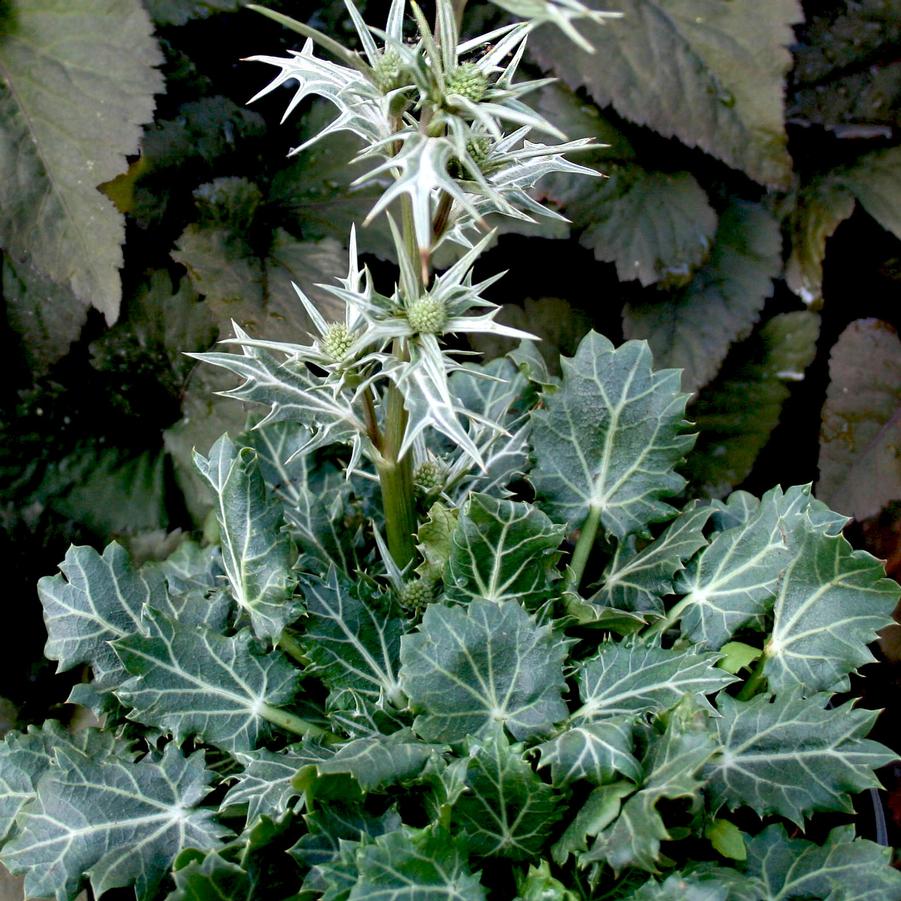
(418, 594)
(429, 477)
(389, 72)
(427, 316)
(468, 81)
(336, 342)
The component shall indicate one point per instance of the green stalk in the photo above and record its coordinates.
(459, 7)
(291, 722)
(396, 478)
(583, 546)
(290, 646)
(750, 688)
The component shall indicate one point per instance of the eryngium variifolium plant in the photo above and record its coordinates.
(458, 638)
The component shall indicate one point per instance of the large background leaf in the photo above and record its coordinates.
(709, 73)
(76, 88)
(860, 465)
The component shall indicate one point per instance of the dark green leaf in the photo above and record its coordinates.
(707, 72)
(177, 12)
(256, 551)
(844, 867)
(791, 757)
(506, 810)
(820, 208)
(316, 190)
(425, 865)
(47, 316)
(638, 580)
(193, 681)
(212, 878)
(672, 767)
(502, 550)
(831, 602)
(466, 669)
(352, 642)
(739, 410)
(633, 678)
(860, 466)
(266, 784)
(694, 329)
(874, 180)
(607, 442)
(67, 131)
(595, 752)
(374, 763)
(141, 814)
(655, 226)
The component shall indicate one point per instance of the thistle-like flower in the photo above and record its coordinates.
(425, 112)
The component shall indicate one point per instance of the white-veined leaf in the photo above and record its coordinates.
(351, 642)
(266, 784)
(733, 580)
(608, 441)
(672, 770)
(469, 668)
(94, 601)
(843, 867)
(638, 580)
(791, 757)
(634, 678)
(831, 602)
(256, 551)
(375, 763)
(316, 499)
(122, 823)
(506, 810)
(502, 550)
(195, 682)
(594, 751)
(428, 864)
(26, 756)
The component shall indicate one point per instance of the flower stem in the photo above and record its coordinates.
(583, 546)
(396, 478)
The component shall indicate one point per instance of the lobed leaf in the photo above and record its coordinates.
(608, 441)
(506, 810)
(95, 600)
(465, 670)
(195, 682)
(831, 602)
(596, 752)
(123, 823)
(501, 550)
(638, 580)
(789, 756)
(256, 552)
(352, 642)
(694, 329)
(629, 679)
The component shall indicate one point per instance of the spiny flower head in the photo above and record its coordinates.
(427, 315)
(468, 81)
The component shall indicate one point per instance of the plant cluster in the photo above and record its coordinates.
(456, 635)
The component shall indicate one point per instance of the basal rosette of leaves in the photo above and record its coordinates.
(459, 635)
